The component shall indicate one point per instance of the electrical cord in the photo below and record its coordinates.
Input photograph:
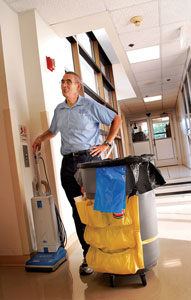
(61, 228)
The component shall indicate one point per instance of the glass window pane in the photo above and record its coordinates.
(188, 96)
(184, 101)
(161, 128)
(68, 56)
(88, 74)
(108, 95)
(84, 40)
(139, 131)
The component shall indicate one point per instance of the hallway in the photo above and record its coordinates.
(169, 280)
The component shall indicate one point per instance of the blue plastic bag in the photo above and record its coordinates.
(110, 189)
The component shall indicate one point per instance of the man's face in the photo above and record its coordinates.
(70, 86)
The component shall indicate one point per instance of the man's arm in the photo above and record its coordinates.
(47, 135)
(115, 125)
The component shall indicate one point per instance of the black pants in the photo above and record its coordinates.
(72, 189)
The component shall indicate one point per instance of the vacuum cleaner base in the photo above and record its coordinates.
(46, 262)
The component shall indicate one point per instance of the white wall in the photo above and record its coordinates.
(44, 94)
(55, 47)
(181, 121)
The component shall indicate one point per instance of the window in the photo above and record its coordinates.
(108, 95)
(89, 76)
(69, 64)
(86, 43)
(139, 131)
(95, 70)
(161, 128)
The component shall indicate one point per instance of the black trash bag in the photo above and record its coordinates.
(149, 178)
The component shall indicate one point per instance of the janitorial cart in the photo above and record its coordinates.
(118, 208)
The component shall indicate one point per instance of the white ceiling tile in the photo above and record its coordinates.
(149, 12)
(60, 10)
(151, 107)
(151, 87)
(145, 66)
(151, 93)
(135, 110)
(173, 48)
(150, 76)
(170, 104)
(176, 70)
(171, 85)
(141, 39)
(171, 32)
(10, 1)
(170, 90)
(113, 4)
(134, 101)
(170, 93)
(174, 60)
(167, 100)
(175, 10)
(146, 83)
(173, 78)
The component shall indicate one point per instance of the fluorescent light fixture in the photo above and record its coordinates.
(143, 54)
(154, 98)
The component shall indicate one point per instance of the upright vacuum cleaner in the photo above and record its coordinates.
(50, 232)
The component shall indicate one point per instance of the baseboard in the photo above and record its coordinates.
(20, 260)
(72, 243)
(13, 260)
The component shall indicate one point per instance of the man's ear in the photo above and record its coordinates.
(79, 86)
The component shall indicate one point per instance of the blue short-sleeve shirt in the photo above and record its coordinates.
(79, 124)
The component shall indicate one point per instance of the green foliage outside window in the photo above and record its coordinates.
(160, 130)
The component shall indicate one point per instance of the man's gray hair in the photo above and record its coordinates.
(75, 74)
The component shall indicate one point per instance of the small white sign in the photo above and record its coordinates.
(23, 132)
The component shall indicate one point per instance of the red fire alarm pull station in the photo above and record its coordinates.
(50, 63)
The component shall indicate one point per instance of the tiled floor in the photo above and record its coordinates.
(169, 280)
(175, 172)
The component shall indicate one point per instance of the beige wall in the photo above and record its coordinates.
(28, 94)
(15, 188)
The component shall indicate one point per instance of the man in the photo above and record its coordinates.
(78, 119)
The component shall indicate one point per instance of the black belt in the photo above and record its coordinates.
(76, 154)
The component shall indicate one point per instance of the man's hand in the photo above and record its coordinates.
(37, 144)
(47, 135)
(97, 150)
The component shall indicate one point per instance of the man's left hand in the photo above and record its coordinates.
(97, 150)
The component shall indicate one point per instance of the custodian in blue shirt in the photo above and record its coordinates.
(79, 124)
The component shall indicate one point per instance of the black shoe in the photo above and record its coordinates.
(84, 269)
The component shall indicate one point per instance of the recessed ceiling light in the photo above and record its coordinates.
(144, 54)
(154, 98)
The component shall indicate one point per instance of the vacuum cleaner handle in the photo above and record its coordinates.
(39, 182)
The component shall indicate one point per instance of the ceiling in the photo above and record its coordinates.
(164, 23)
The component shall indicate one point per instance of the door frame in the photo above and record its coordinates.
(174, 133)
(164, 162)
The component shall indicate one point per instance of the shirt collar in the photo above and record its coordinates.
(79, 102)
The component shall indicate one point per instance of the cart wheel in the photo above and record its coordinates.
(143, 279)
(112, 280)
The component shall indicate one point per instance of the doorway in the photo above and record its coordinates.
(155, 135)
